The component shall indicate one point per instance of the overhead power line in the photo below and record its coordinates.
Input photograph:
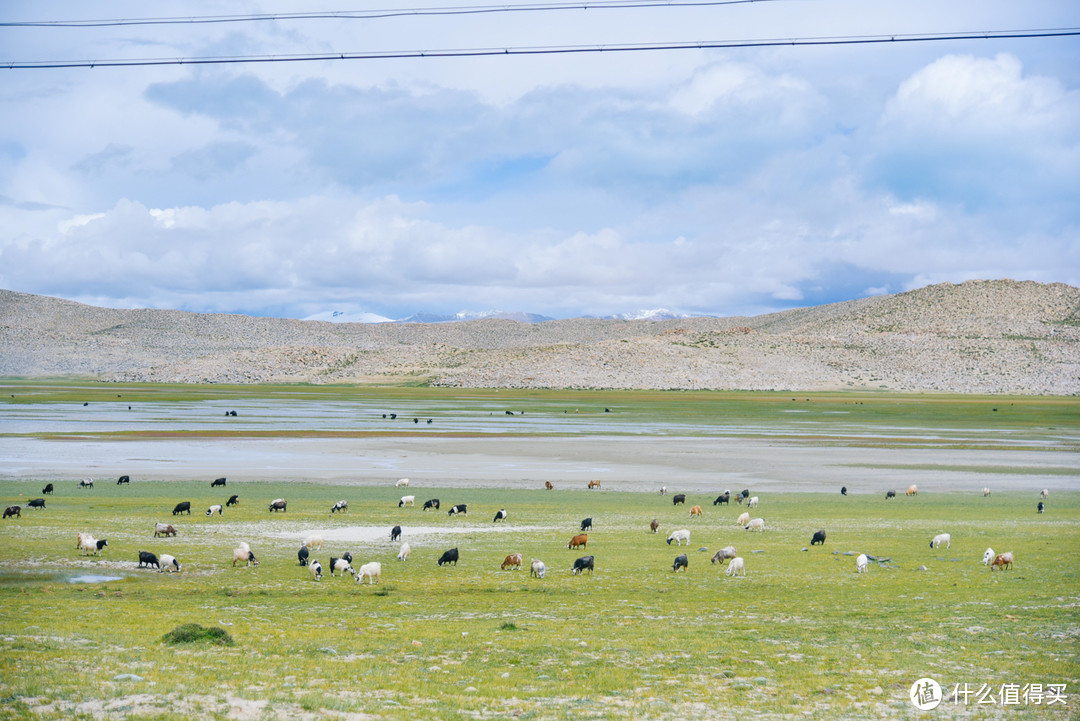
(548, 50)
(378, 14)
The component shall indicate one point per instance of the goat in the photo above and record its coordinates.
(407, 501)
(843, 490)
(217, 482)
(547, 485)
(462, 508)
(681, 562)
(743, 518)
(316, 570)
(36, 503)
(537, 569)
(1044, 493)
(182, 507)
(86, 483)
(339, 506)
(663, 490)
(1041, 507)
(403, 553)
(585, 562)
(861, 563)
(724, 554)
(449, 557)
(695, 511)
(216, 508)
(752, 503)
(755, 524)
(890, 494)
(579, 541)
(243, 553)
(819, 538)
(372, 570)
(737, 564)
(164, 529)
(433, 503)
(48, 489)
(401, 483)
(90, 545)
(1002, 561)
(723, 499)
(513, 560)
(679, 536)
(912, 490)
(986, 492)
(168, 563)
(123, 479)
(314, 542)
(340, 565)
(500, 515)
(586, 524)
(395, 533)
(655, 524)
(15, 511)
(988, 556)
(594, 484)
(678, 498)
(234, 500)
(278, 504)
(940, 539)
(147, 559)
(303, 555)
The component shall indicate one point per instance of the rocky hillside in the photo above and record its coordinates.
(977, 337)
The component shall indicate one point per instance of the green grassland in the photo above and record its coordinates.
(800, 635)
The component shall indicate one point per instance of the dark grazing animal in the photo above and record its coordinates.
(843, 490)
(890, 494)
(36, 503)
(395, 533)
(217, 482)
(123, 479)
(680, 562)
(654, 525)
(13, 511)
(722, 499)
(547, 485)
(48, 489)
(462, 508)
(678, 498)
(582, 563)
(278, 504)
(302, 555)
(234, 500)
(450, 556)
(433, 503)
(819, 537)
(147, 559)
(1041, 507)
(579, 541)
(339, 506)
(500, 515)
(586, 525)
(182, 507)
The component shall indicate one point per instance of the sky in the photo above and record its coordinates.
(705, 181)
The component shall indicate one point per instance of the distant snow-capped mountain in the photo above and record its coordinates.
(338, 316)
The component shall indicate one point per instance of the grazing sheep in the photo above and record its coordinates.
(407, 501)
(986, 492)
(123, 479)
(724, 554)
(182, 507)
(234, 500)
(890, 494)
(243, 553)
(861, 563)
(164, 529)
(723, 499)
(48, 489)
(1042, 494)
(586, 524)
(537, 569)
(912, 490)
(755, 524)
(403, 553)
(547, 485)
(316, 570)
(743, 519)
(303, 555)
(940, 539)
(594, 484)
(678, 498)
(449, 557)
(819, 538)
(752, 503)
(462, 508)
(90, 545)
(216, 508)
(579, 541)
(147, 559)
(843, 490)
(278, 504)
(1002, 561)
(663, 490)
(736, 566)
(988, 556)
(314, 542)
(500, 515)
(340, 565)
(36, 503)
(372, 570)
(745, 493)
(1041, 507)
(681, 563)
(433, 503)
(585, 562)
(339, 506)
(655, 524)
(695, 511)
(402, 483)
(86, 483)
(168, 563)
(513, 561)
(15, 511)
(395, 533)
(217, 482)
(679, 536)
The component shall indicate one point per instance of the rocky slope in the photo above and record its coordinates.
(977, 337)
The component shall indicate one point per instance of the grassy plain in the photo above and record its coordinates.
(801, 635)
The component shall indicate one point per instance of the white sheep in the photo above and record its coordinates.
(861, 563)
(737, 564)
(407, 501)
(402, 483)
(743, 519)
(316, 570)
(372, 570)
(940, 539)
(168, 562)
(537, 569)
(679, 536)
(1044, 493)
(243, 553)
(312, 542)
(90, 545)
(755, 524)
(752, 503)
(216, 508)
(988, 556)
(986, 491)
(403, 553)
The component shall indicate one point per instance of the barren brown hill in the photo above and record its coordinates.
(996, 336)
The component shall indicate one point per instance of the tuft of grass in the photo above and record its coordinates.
(194, 633)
